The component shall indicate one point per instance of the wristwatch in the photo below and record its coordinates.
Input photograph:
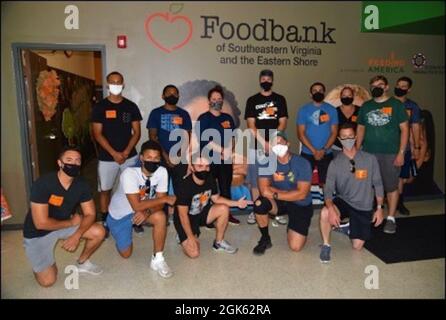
(379, 206)
(275, 195)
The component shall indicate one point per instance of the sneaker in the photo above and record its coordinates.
(233, 220)
(160, 265)
(343, 228)
(281, 219)
(138, 229)
(390, 227)
(89, 267)
(210, 226)
(224, 246)
(402, 209)
(325, 253)
(261, 246)
(251, 218)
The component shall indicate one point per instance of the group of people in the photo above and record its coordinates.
(362, 154)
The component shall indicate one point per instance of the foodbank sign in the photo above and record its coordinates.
(411, 17)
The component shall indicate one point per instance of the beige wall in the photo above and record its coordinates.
(147, 69)
(81, 62)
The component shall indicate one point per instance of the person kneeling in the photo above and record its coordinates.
(140, 198)
(285, 191)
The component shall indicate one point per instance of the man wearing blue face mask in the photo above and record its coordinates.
(140, 197)
(355, 177)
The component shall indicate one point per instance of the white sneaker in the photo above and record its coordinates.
(224, 246)
(89, 267)
(251, 218)
(160, 265)
(281, 219)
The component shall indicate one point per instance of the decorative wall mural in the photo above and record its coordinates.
(47, 88)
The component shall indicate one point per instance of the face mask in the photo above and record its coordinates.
(72, 170)
(377, 92)
(172, 100)
(202, 175)
(318, 96)
(348, 143)
(400, 92)
(151, 166)
(280, 149)
(115, 89)
(266, 85)
(347, 101)
(217, 105)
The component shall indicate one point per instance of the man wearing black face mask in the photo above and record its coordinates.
(317, 128)
(383, 131)
(199, 204)
(409, 168)
(139, 198)
(264, 111)
(54, 199)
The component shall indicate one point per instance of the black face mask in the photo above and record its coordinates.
(377, 92)
(72, 170)
(266, 85)
(347, 101)
(172, 100)
(318, 96)
(400, 92)
(202, 175)
(151, 166)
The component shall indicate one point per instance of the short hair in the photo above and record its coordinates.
(200, 88)
(347, 88)
(377, 78)
(218, 89)
(150, 145)
(407, 79)
(266, 73)
(113, 73)
(317, 84)
(347, 125)
(67, 148)
(170, 86)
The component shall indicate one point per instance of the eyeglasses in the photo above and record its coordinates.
(352, 166)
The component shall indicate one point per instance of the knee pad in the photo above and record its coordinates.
(262, 206)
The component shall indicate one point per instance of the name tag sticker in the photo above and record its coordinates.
(226, 124)
(325, 117)
(110, 114)
(55, 200)
(354, 118)
(177, 120)
(387, 110)
(361, 174)
(277, 176)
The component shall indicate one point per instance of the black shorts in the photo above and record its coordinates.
(196, 221)
(360, 221)
(299, 217)
(322, 165)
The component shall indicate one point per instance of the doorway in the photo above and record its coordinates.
(57, 86)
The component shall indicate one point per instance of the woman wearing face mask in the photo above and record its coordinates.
(220, 147)
(347, 113)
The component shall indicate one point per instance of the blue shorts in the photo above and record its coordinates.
(121, 230)
(409, 168)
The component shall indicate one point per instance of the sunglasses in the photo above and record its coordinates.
(148, 186)
(352, 166)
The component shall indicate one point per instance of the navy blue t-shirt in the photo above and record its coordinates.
(116, 120)
(165, 121)
(287, 176)
(222, 123)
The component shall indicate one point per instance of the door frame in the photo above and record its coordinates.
(24, 120)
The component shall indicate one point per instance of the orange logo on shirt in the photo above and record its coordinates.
(110, 114)
(55, 200)
(361, 174)
(387, 110)
(278, 176)
(177, 120)
(226, 124)
(354, 118)
(325, 117)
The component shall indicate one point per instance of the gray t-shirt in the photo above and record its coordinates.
(357, 189)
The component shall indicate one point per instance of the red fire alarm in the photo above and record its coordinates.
(122, 42)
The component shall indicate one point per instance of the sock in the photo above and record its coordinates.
(158, 255)
(391, 218)
(264, 231)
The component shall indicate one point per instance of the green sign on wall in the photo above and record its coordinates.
(414, 17)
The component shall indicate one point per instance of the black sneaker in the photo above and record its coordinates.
(138, 229)
(402, 209)
(261, 246)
